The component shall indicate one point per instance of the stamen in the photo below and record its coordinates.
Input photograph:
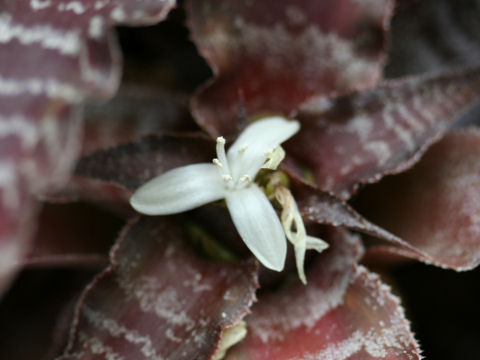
(222, 157)
(226, 178)
(274, 158)
(245, 178)
(243, 148)
(217, 163)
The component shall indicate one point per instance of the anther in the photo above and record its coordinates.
(245, 178)
(226, 178)
(243, 148)
(221, 140)
(217, 163)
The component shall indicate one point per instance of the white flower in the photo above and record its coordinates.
(230, 177)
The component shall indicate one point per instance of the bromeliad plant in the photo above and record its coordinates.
(179, 285)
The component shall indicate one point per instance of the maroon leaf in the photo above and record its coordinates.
(270, 56)
(435, 205)
(159, 299)
(73, 235)
(345, 312)
(361, 137)
(134, 112)
(54, 55)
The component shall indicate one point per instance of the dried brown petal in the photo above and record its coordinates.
(160, 300)
(435, 206)
(270, 56)
(361, 137)
(345, 312)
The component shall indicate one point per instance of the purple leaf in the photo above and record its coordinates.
(361, 137)
(271, 56)
(159, 299)
(435, 205)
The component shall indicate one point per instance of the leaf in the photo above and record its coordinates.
(54, 55)
(364, 136)
(271, 56)
(345, 312)
(160, 300)
(435, 205)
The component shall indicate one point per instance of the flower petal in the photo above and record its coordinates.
(258, 225)
(261, 136)
(179, 190)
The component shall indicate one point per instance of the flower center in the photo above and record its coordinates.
(221, 162)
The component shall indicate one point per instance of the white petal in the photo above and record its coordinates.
(261, 136)
(258, 225)
(179, 190)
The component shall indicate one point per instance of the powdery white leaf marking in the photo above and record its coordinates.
(50, 88)
(366, 135)
(66, 42)
(96, 27)
(40, 4)
(96, 346)
(20, 127)
(117, 330)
